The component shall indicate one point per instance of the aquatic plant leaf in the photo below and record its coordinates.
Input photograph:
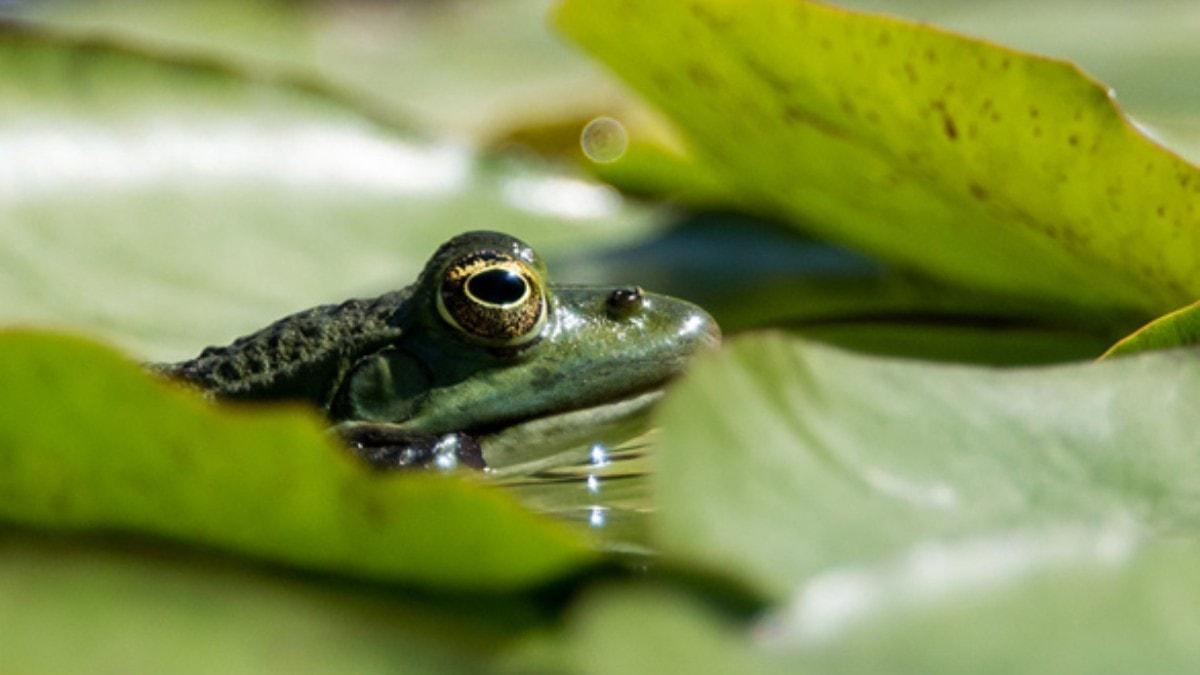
(1130, 612)
(1180, 328)
(411, 62)
(82, 605)
(780, 461)
(90, 443)
(976, 163)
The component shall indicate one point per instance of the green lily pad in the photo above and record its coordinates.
(76, 606)
(268, 483)
(1103, 611)
(1139, 51)
(1180, 328)
(165, 205)
(411, 60)
(979, 164)
(780, 460)
(915, 518)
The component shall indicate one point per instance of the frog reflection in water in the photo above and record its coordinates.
(479, 343)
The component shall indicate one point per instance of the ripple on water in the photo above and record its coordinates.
(601, 487)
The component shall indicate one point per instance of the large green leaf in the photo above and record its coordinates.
(73, 607)
(909, 517)
(88, 442)
(780, 460)
(1139, 50)
(1100, 608)
(414, 60)
(977, 163)
(166, 205)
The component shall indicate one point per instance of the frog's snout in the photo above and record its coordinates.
(712, 332)
(694, 328)
(700, 329)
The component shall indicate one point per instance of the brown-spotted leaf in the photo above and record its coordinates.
(980, 164)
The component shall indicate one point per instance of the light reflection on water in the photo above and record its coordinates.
(598, 454)
(597, 518)
(604, 488)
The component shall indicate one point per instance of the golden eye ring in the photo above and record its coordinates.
(493, 299)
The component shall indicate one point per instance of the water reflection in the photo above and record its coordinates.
(600, 486)
(597, 519)
(599, 454)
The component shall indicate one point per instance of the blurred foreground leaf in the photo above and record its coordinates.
(976, 163)
(917, 518)
(1122, 613)
(87, 442)
(83, 607)
(781, 461)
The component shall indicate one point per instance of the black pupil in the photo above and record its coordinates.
(497, 287)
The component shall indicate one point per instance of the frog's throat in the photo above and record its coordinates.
(526, 439)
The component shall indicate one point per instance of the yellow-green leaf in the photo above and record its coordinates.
(88, 442)
(125, 608)
(978, 163)
(1117, 611)
(1180, 328)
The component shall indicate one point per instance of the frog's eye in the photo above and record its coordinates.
(494, 299)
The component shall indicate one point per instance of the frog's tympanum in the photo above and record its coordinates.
(479, 343)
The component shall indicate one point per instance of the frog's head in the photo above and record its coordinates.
(488, 341)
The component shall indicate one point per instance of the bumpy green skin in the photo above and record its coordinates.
(301, 357)
(393, 372)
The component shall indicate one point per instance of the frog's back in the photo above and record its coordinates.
(299, 357)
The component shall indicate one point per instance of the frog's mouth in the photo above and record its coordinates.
(536, 437)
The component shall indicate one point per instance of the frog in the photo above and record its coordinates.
(481, 342)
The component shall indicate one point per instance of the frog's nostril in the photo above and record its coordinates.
(625, 302)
